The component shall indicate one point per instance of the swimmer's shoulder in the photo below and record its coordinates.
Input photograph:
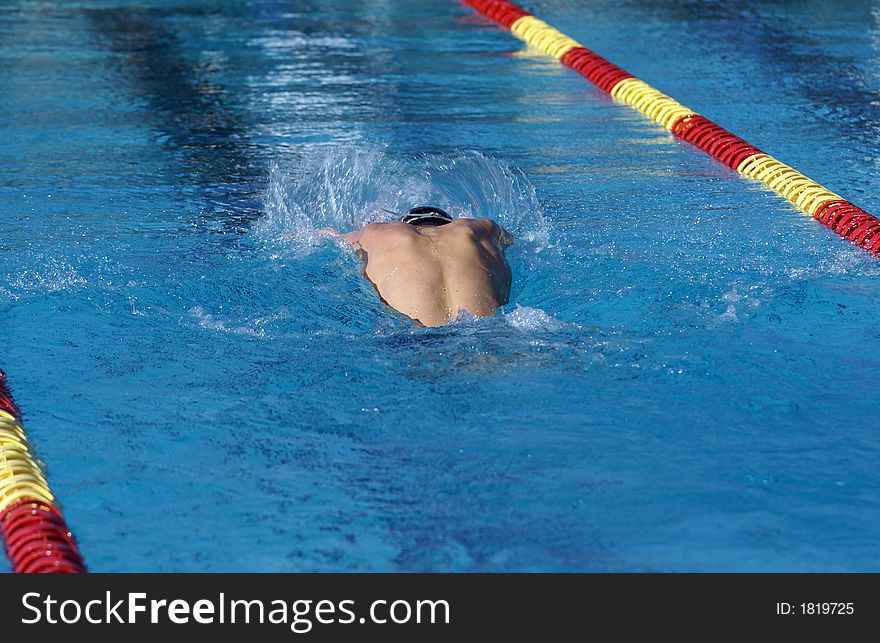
(376, 233)
(483, 228)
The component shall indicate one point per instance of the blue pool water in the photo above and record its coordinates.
(685, 378)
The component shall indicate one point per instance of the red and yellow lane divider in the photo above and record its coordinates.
(36, 537)
(846, 219)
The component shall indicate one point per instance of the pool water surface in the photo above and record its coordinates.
(685, 378)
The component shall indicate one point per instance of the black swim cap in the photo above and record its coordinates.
(426, 215)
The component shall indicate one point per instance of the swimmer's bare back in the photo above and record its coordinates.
(431, 273)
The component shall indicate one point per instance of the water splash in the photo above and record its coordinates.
(534, 319)
(254, 326)
(47, 275)
(347, 188)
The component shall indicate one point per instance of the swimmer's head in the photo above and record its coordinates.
(425, 215)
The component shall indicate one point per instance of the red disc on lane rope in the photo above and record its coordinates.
(6, 405)
(862, 227)
(6, 402)
(37, 553)
(42, 522)
(593, 67)
(866, 233)
(827, 213)
(38, 540)
(26, 539)
(53, 566)
(842, 224)
(25, 511)
(27, 521)
(713, 139)
(504, 13)
(851, 222)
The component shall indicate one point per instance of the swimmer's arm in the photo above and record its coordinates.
(352, 237)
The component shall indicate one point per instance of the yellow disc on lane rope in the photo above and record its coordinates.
(652, 103)
(783, 179)
(542, 36)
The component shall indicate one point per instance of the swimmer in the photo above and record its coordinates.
(430, 267)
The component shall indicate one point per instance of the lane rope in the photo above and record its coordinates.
(832, 210)
(36, 537)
